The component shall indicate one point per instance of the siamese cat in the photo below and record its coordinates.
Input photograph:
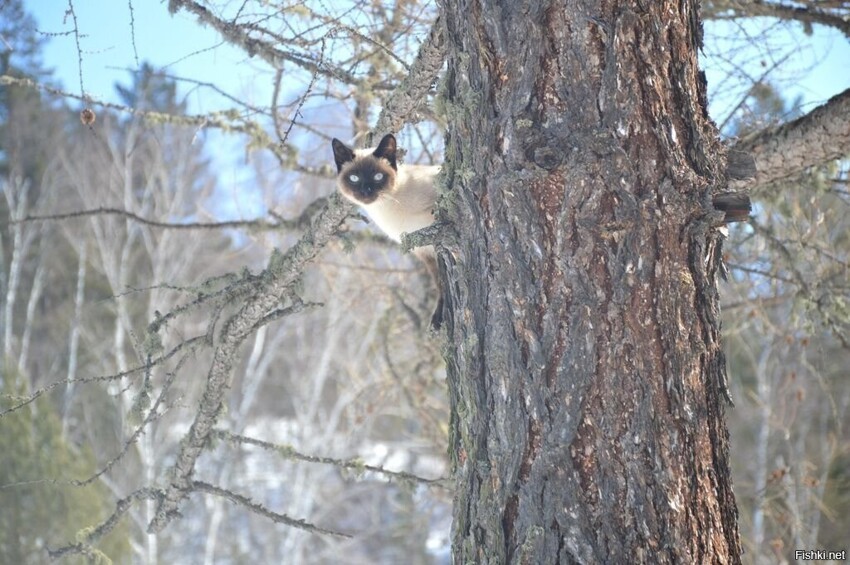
(398, 198)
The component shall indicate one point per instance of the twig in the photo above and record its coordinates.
(107, 211)
(297, 113)
(90, 537)
(103, 378)
(257, 508)
(287, 452)
(70, 12)
(238, 35)
(411, 94)
(133, 32)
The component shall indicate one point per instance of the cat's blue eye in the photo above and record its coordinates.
(353, 178)
(379, 176)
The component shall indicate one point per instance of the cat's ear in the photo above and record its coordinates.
(386, 150)
(342, 153)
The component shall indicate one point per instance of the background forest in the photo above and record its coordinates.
(127, 242)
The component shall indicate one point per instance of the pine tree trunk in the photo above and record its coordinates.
(585, 365)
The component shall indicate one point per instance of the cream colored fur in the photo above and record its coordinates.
(408, 205)
(405, 205)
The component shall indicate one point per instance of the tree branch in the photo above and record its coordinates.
(300, 222)
(258, 508)
(283, 271)
(809, 14)
(288, 452)
(405, 101)
(90, 536)
(226, 120)
(239, 35)
(19, 403)
(780, 152)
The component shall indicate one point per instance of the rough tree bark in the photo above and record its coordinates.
(780, 152)
(584, 360)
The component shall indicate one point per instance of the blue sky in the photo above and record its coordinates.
(176, 42)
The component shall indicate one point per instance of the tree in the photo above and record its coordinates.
(22, 112)
(585, 370)
(143, 170)
(35, 513)
(580, 249)
(784, 342)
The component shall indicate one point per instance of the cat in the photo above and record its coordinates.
(398, 198)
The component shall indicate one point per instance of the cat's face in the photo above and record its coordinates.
(363, 178)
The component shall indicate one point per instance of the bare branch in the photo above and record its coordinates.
(71, 12)
(91, 536)
(820, 136)
(21, 402)
(284, 136)
(105, 211)
(152, 415)
(227, 120)
(807, 14)
(283, 271)
(288, 452)
(133, 32)
(402, 106)
(239, 35)
(338, 25)
(756, 83)
(258, 508)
